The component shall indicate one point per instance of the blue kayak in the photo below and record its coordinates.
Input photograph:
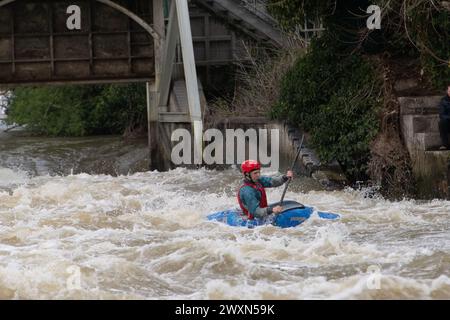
(294, 213)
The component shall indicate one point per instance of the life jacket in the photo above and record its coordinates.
(262, 202)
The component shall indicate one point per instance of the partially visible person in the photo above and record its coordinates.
(444, 120)
(252, 196)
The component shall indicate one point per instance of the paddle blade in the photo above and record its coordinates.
(328, 215)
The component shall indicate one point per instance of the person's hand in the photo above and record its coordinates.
(290, 174)
(277, 209)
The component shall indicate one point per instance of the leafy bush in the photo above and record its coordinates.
(337, 103)
(78, 110)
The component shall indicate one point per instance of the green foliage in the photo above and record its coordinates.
(345, 17)
(433, 41)
(78, 110)
(337, 103)
(409, 28)
(118, 107)
(292, 12)
(419, 27)
(47, 110)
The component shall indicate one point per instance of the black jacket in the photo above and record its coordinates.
(444, 108)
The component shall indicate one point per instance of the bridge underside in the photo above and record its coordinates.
(36, 45)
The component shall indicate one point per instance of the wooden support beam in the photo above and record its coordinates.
(174, 117)
(159, 26)
(172, 37)
(152, 88)
(190, 74)
(91, 39)
(51, 38)
(13, 44)
(5, 2)
(153, 126)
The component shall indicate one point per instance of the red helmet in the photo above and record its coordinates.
(250, 165)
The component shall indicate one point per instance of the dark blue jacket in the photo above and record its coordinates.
(444, 108)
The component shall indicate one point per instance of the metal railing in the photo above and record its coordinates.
(310, 29)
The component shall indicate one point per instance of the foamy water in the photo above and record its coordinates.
(145, 236)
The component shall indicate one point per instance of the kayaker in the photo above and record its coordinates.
(252, 196)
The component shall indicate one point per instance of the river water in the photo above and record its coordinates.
(82, 219)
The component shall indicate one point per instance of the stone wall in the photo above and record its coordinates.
(328, 174)
(419, 119)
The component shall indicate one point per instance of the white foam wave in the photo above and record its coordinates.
(146, 236)
(10, 177)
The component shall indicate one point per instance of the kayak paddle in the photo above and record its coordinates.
(291, 169)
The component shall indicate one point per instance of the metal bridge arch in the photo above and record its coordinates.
(119, 8)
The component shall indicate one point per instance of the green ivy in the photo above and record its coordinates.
(337, 103)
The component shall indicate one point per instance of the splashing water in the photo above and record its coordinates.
(145, 236)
